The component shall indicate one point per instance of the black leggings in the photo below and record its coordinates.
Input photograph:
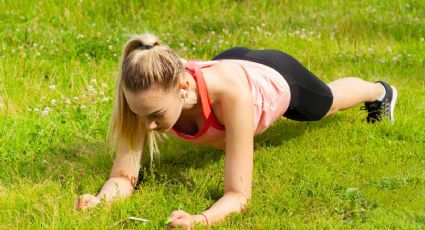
(311, 98)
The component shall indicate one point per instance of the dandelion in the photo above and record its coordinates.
(52, 87)
(53, 102)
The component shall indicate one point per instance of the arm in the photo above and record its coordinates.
(123, 177)
(236, 104)
(237, 110)
(121, 182)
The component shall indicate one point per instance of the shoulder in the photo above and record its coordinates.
(226, 77)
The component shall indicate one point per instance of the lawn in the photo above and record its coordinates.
(58, 64)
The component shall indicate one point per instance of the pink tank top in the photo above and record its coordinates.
(269, 90)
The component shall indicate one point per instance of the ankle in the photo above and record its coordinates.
(380, 91)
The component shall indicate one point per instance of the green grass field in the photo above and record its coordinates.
(58, 63)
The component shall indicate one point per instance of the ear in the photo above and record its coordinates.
(184, 85)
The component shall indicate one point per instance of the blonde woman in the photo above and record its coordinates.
(223, 103)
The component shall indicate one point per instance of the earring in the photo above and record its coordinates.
(184, 93)
(184, 89)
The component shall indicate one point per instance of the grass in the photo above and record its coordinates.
(58, 62)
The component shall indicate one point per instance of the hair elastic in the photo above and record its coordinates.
(145, 47)
(206, 219)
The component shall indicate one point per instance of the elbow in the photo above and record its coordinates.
(241, 199)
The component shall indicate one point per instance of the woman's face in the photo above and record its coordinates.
(159, 110)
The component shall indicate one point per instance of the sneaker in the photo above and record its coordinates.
(378, 110)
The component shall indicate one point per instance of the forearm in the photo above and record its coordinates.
(229, 203)
(115, 187)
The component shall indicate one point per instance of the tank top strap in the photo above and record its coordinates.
(196, 72)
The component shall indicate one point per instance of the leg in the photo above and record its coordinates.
(351, 91)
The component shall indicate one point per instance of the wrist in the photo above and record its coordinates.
(201, 218)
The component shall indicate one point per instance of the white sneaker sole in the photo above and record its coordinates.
(393, 101)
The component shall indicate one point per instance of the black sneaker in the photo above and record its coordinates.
(377, 110)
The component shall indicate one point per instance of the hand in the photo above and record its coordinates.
(181, 219)
(86, 201)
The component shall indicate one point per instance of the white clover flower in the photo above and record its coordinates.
(28, 109)
(422, 39)
(110, 47)
(45, 112)
(104, 85)
(52, 87)
(83, 107)
(389, 49)
(45, 162)
(13, 51)
(37, 54)
(75, 98)
(93, 81)
(80, 36)
(105, 99)
(36, 110)
(115, 54)
(67, 101)
(53, 102)
(1, 106)
(20, 47)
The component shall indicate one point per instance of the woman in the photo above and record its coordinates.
(222, 103)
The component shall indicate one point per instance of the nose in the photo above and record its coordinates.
(152, 125)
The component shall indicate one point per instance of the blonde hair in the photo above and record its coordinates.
(144, 63)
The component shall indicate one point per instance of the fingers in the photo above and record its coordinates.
(180, 218)
(86, 201)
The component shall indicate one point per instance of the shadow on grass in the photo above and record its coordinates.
(285, 130)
